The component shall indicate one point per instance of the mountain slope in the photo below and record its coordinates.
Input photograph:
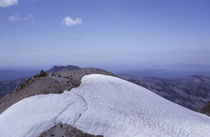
(104, 105)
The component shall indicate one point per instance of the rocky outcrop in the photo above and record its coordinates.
(64, 130)
(41, 74)
(54, 83)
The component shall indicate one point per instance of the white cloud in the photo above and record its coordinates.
(7, 3)
(28, 17)
(68, 21)
(17, 17)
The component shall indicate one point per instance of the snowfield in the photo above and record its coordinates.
(104, 105)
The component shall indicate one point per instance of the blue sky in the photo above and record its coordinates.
(104, 33)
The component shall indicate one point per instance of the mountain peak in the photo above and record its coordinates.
(58, 68)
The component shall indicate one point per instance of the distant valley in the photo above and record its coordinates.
(162, 73)
(8, 86)
(10, 79)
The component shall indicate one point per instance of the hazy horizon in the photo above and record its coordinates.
(179, 67)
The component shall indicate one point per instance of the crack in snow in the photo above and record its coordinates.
(68, 105)
(60, 113)
(85, 107)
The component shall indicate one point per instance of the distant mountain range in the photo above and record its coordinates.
(161, 73)
(8, 75)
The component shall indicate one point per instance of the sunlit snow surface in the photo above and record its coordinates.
(104, 105)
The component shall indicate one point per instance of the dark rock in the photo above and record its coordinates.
(206, 109)
(41, 74)
(65, 130)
